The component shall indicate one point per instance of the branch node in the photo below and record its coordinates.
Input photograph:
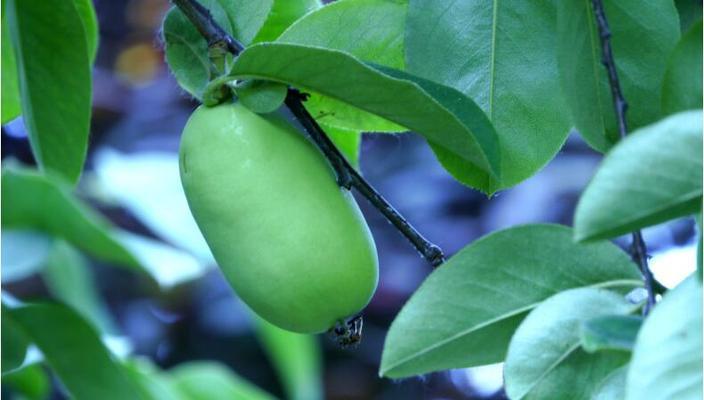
(435, 256)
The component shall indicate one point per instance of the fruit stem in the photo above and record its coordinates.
(639, 252)
(347, 176)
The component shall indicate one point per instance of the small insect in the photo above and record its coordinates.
(348, 333)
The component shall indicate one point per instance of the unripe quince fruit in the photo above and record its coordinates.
(293, 245)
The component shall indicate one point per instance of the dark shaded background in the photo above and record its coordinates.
(139, 107)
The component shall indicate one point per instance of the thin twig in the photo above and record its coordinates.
(212, 32)
(639, 252)
(347, 176)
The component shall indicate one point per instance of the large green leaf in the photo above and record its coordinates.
(682, 85)
(641, 43)
(10, 96)
(667, 358)
(14, 343)
(34, 201)
(55, 82)
(465, 313)
(450, 121)
(69, 279)
(613, 387)
(187, 50)
(74, 351)
(45, 204)
(610, 332)
(545, 351)
(652, 176)
(212, 381)
(296, 358)
(282, 14)
(502, 55)
(374, 31)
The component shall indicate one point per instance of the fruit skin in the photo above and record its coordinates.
(293, 245)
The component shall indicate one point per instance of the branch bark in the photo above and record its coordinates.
(639, 252)
(347, 176)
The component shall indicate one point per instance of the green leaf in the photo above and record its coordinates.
(283, 13)
(153, 383)
(74, 351)
(187, 50)
(610, 332)
(465, 312)
(501, 55)
(613, 387)
(261, 96)
(246, 18)
(69, 279)
(90, 25)
(641, 42)
(690, 12)
(186, 53)
(446, 118)
(31, 382)
(55, 82)
(212, 381)
(347, 142)
(10, 96)
(24, 253)
(374, 32)
(667, 358)
(34, 201)
(545, 354)
(37, 202)
(14, 343)
(296, 358)
(652, 176)
(682, 84)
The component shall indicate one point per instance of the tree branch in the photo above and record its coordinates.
(347, 176)
(638, 248)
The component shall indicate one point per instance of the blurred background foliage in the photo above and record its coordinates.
(182, 316)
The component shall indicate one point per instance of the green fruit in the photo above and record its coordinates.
(292, 244)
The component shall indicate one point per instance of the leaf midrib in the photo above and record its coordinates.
(549, 369)
(492, 65)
